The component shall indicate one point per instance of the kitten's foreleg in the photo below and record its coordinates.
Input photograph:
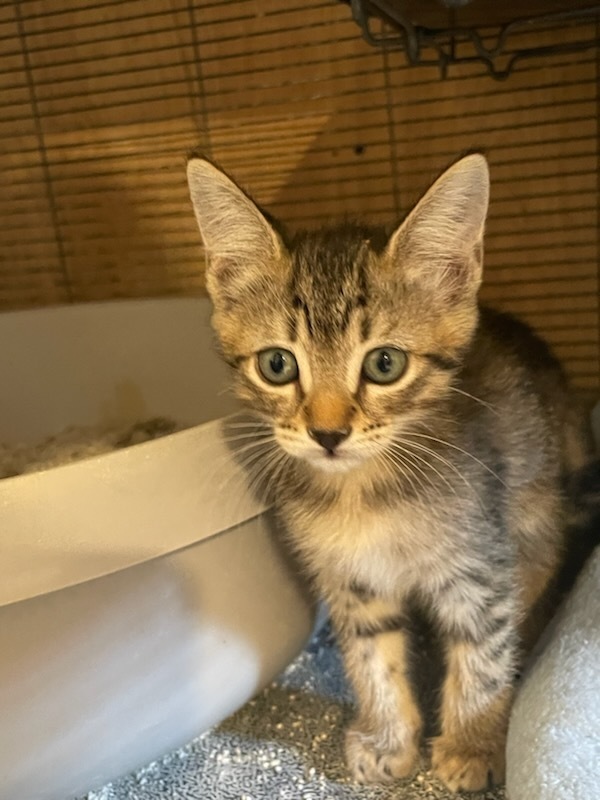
(476, 701)
(383, 742)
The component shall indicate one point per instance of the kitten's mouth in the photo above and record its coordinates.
(334, 461)
(323, 459)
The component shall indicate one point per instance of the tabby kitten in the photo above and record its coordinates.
(417, 441)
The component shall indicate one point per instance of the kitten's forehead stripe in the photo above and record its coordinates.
(309, 323)
(329, 277)
(365, 327)
(293, 327)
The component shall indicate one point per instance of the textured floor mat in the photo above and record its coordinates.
(286, 744)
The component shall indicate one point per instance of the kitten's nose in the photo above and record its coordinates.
(329, 439)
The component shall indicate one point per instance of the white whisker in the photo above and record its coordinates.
(260, 438)
(396, 462)
(442, 477)
(266, 472)
(454, 468)
(257, 425)
(460, 449)
(399, 452)
(476, 399)
(250, 452)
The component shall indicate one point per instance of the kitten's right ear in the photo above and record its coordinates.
(241, 245)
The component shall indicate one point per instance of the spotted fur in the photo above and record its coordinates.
(446, 486)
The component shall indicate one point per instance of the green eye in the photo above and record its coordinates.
(384, 365)
(277, 366)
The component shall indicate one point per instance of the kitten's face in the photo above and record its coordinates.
(341, 345)
(340, 365)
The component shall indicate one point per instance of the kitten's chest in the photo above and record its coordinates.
(352, 541)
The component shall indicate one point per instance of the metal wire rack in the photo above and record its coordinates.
(459, 43)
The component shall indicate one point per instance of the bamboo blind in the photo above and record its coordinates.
(102, 100)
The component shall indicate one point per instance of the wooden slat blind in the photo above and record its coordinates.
(102, 100)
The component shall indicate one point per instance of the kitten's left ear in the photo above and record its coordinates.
(440, 244)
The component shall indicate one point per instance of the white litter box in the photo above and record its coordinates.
(143, 596)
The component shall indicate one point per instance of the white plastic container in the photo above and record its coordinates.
(143, 595)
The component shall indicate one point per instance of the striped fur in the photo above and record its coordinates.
(447, 484)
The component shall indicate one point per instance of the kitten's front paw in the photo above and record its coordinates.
(469, 770)
(369, 763)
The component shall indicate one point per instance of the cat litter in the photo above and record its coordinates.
(286, 744)
(77, 442)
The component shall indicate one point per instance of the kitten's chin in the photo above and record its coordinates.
(337, 463)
